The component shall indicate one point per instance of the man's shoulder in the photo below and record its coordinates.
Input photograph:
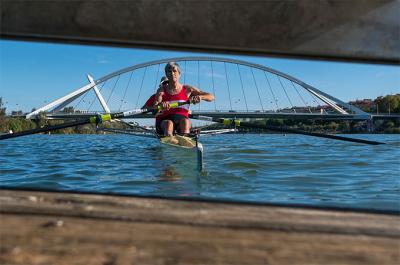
(190, 88)
(160, 90)
(150, 101)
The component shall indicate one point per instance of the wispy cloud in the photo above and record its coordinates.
(214, 75)
(103, 61)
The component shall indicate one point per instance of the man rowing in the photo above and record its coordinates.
(176, 119)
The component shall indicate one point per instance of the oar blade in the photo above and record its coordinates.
(44, 129)
(323, 135)
(284, 130)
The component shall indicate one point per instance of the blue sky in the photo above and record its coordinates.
(32, 74)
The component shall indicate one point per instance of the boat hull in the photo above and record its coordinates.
(184, 147)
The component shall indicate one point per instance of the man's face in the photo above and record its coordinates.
(172, 73)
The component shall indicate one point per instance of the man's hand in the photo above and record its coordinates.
(195, 99)
(165, 105)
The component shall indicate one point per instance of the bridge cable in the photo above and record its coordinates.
(126, 89)
(227, 84)
(241, 83)
(94, 97)
(87, 93)
(213, 85)
(286, 94)
(258, 92)
(141, 86)
(112, 90)
(316, 101)
(82, 98)
(198, 80)
(157, 79)
(272, 92)
(305, 103)
(184, 77)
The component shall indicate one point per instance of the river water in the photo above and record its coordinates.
(267, 168)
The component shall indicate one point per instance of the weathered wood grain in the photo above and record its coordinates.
(68, 228)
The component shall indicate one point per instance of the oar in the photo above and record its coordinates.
(280, 129)
(96, 119)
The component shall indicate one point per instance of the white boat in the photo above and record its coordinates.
(190, 145)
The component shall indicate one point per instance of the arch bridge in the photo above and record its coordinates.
(241, 89)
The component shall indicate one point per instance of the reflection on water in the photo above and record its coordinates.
(170, 174)
(261, 168)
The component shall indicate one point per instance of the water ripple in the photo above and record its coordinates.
(263, 168)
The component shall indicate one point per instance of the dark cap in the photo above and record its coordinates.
(163, 80)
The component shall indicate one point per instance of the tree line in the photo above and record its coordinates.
(321, 126)
(386, 104)
(17, 124)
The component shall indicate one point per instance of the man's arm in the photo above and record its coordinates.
(196, 95)
(158, 97)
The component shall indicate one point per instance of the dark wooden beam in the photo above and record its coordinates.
(357, 30)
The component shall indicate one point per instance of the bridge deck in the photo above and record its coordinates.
(68, 228)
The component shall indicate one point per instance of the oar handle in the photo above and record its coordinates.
(131, 113)
(174, 104)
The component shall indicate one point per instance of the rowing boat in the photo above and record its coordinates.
(188, 145)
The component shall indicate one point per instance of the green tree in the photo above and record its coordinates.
(68, 110)
(388, 104)
(332, 126)
(3, 120)
(2, 110)
(20, 124)
(41, 119)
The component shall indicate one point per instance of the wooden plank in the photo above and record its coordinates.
(70, 228)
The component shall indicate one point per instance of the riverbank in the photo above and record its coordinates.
(331, 127)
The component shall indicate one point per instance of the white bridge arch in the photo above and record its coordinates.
(242, 89)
